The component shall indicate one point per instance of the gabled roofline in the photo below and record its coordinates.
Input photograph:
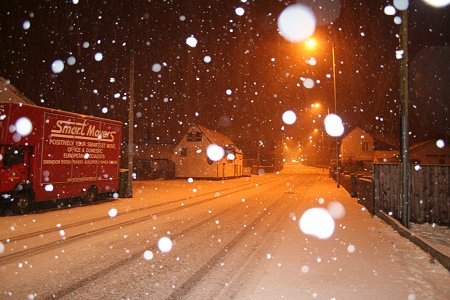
(420, 145)
(206, 132)
(203, 131)
(355, 128)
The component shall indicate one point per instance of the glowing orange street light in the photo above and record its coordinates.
(310, 43)
(318, 105)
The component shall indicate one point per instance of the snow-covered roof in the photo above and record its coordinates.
(421, 144)
(215, 137)
(357, 130)
(390, 156)
(430, 145)
(9, 93)
(380, 142)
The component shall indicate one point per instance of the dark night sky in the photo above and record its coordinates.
(248, 56)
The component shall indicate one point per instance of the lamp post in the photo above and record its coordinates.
(311, 43)
(404, 195)
(335, 111)
(129, 188)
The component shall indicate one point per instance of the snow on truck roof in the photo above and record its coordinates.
(9, 93)
(62, 112)
(65, 113)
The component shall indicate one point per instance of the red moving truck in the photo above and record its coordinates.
(48, 154)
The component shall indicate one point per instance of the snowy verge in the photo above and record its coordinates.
(424, 245)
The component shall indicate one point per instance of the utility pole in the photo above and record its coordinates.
(404, 141)
(129, 191)
(335, 111)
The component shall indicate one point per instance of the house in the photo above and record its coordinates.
(386, 150)
(361, 148)
(191, 160)
(153, 161)
(386, 157)
(430, 152)
(357, 146)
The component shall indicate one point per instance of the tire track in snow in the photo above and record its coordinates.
(68, 292)
(184, 290)
(76, 237)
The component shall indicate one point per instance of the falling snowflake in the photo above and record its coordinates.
(156, 68)
(112, 212)
(98, 56)
(296, 23)
(239, 11)
(26, 25)
(333, 125)
(440, 143)
(317, 222)
(191, 41)
(165, 244)
(289, 117)
(215, 152)
(57, 66)
(24, 126)
(148, 255)
(351, 248)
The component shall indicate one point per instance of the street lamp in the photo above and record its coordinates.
(318, 105)
(311, 44)
(315, 105)
(326, 156)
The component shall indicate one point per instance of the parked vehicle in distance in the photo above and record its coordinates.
(48, 154)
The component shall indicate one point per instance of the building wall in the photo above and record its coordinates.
(195, 163)
(226, 168)
(357, 146)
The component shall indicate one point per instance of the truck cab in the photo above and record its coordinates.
(14, 176)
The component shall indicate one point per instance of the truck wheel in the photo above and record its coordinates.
(23, 202)
(91, 195)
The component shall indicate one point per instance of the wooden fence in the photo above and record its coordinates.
(429, 191)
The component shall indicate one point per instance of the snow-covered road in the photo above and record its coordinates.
(236, 239)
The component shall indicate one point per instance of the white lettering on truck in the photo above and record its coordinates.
(68, 129)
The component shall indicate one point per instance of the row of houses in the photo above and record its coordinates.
(359, 146)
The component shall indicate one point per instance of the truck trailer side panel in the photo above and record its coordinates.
(65, 154)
